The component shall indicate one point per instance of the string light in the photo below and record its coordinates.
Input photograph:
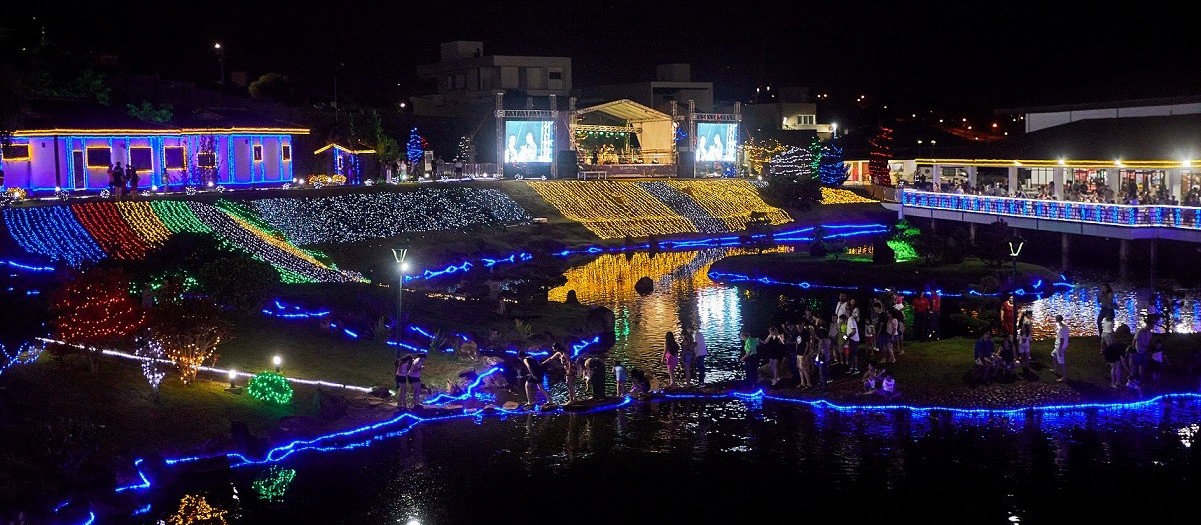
(1130, 216)
(732, 201)
(360, 216)
(152, 368)
(270, 387)
(273, 484)
(28, 353)
(52, 232)
(842, 196)
(195, 510)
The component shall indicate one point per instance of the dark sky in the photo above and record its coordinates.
(980, 55)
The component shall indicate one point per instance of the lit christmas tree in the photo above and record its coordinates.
(95, 310)
(415, 149)
(877, 164)
(831, 170)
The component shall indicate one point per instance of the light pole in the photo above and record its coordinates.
(401, 268)
(1015, 249)
(221, 60)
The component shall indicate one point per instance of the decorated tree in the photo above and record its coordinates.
(189, 330)
(415, 149)
(196, 510)
(881, 153)
(463, 153)
(792, 181)
(152, 366)
(831, 169)
(95, 310)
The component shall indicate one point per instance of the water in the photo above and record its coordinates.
(684, 294)
(736, 461)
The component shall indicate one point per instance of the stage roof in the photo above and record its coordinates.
(627, 110)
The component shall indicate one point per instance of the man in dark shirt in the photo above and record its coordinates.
(984, 355)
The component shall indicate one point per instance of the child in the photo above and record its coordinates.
(1135, 385)
(1157, 360)
(640, 385)
(888, 386)
(619, 376)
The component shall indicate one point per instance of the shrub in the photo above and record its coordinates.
(270, 387)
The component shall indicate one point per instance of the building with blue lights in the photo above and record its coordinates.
(71, 144)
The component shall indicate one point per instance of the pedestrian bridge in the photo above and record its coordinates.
(1119, 221)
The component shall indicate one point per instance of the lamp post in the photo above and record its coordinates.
(401, 268)
(221, 60)
(277, 360)
(1015, 249)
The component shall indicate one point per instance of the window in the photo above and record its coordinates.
(555, 75)
(258, 153)
(16, 152)
(100, 157)
(206, 159)
(174, 157)
(139, 158)
(286, 151)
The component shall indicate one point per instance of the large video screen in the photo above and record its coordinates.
(716, 141)
(529, 141)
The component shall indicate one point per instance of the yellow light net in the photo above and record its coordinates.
(612, 209)
(732, 201)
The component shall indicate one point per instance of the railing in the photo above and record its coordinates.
(1140, 216)
(483, 170)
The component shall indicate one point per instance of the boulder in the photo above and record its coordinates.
(644, 285)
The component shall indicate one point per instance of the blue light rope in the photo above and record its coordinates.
(28, 268)
(145, 484)
(323, 443)
(743, 278)
(468, 393)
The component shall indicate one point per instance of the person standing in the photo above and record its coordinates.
(131, 173)
(852, 343)
(921, 310)
(750, 358)
(1142, 345)
(533, 379)
(935, 315)
(671, 357)
(1008, 317)
(698, 361)
(619, 377)
(804, 356)
(825, 352)
(1105, 304)
(402, 380)
(1059, 354)
(1025, 338)
(687, 353)
(118, 181)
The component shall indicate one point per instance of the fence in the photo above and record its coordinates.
(1140, 216)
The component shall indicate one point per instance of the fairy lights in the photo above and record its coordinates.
(270, 387)
(613, 209)
(685, 206)
(360, 216)
(1129, 216)
(152, 365)
(732, 201)
(841, 196)
(115, 236)
(28, 353)
(742, 278)
(52, 232)
(272, 484)
(196, 510)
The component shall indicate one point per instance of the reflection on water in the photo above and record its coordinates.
(1079, 307)
(692, 460)
(683, 293)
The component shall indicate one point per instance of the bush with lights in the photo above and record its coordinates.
(270, 387)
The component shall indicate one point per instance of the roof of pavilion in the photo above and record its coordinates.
(627, 110)
(1147, 142)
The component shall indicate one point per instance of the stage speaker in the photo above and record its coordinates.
(568, 166)
(685, 164)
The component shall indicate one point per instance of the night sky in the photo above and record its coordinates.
(995, 55)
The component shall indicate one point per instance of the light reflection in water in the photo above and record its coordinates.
(1079, 308)
(682, 291)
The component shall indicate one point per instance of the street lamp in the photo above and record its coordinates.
(1015, 249)
(220, 59)
(233, 378)
(278, 361)
(402, 267)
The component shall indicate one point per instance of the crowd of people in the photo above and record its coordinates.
(1096, 191)
(123, 181)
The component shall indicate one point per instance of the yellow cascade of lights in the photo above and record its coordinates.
(732, 201)
(612, 209)
(841, 196)
(144, 222)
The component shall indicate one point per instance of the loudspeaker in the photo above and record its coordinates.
(685, 164)
(569, 166)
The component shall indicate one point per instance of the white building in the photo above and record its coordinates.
(467, 80)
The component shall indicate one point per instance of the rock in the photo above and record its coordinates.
(381, 392)
(644, 285)
(571, 298)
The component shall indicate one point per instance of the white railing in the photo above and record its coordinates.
(1125, 215)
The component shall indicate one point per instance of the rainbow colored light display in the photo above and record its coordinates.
(88, 232)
